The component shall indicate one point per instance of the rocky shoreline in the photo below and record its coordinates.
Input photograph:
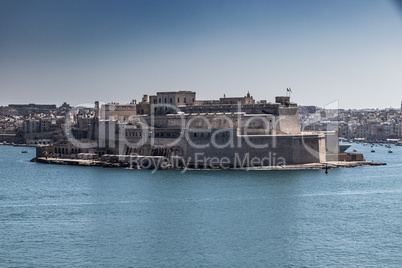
(312, 166)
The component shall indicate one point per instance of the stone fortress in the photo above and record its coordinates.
(201, 133)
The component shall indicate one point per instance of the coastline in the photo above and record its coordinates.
(21, 145)
(311, 166)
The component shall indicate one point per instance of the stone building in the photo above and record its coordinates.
(118, 111)
(177, 124)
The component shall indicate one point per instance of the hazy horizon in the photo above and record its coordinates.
(115, 51)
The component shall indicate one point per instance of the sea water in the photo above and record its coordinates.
(71, 216)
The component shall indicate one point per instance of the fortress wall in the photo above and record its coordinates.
(323, 151)
(289, 121)
(280, 149)
(193, 121)
(271, 108)
(332, 142)
(263, 121)
(289, 124)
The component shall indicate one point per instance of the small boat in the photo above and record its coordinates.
(354, 150)
(390, 151)
(24, 152)
(372, 150)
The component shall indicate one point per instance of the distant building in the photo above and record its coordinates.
(32, 107)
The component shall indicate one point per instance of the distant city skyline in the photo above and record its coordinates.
(82, 51)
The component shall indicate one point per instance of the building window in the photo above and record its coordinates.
(178, 99)
(165, 100)
(171, 101)
(185, 100)
(160, 100)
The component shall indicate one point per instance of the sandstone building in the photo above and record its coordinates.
(177, 125)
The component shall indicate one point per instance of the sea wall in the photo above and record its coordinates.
(259, 150)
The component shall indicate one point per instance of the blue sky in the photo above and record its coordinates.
(82, 51)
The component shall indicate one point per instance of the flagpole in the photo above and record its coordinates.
(288, 90)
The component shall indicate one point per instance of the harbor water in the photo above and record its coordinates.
(72, 216)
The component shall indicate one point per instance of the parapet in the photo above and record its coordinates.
(284, 100)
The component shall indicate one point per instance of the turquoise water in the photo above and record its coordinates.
(69, 216)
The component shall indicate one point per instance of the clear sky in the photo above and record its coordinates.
(80, 51)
